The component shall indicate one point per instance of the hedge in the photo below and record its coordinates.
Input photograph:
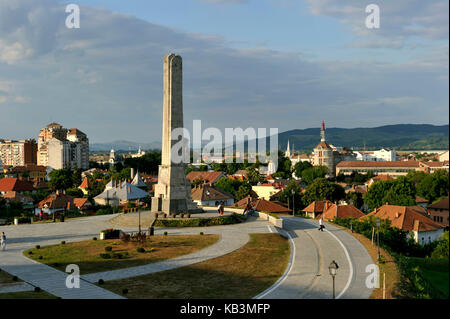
(200, 222)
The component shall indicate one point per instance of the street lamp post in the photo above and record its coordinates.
(378, 221)
(333, 271)
(293, 202)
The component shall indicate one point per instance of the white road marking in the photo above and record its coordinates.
(350, 276)
(286, 273)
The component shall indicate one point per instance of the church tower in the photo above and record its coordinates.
(288, 151)
(323, 153)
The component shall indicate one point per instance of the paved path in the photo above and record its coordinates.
(308, 276)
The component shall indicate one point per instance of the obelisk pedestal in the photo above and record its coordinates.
(173, 191)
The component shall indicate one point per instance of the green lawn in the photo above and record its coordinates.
(86, 254)
(435, 271)
(241, 274)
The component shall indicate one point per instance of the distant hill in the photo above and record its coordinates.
(399, 137)
(123, 146)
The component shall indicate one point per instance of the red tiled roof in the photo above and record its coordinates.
(28, 168)
(433, 164)
(318, 207)
(8, 184)
(382, 177)
(58, 201)
(342, 211)
(323, 145)
(442, 204)
(262, 205)
(80, 202)
(421, 200)
(412, 164)
(405, 218)
(208, 177)
(206, 192)
(85, 183)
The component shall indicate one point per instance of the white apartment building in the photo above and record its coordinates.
(61, 148)
(386, 155)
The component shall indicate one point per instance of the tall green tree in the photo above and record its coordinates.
(312, 173)
(61, 179)
(321, 189)
(400, 191)
(434, 186)
(300, 167)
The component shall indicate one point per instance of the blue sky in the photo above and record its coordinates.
(270, 63)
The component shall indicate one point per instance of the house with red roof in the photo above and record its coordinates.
(264, 206)
(438, 212)
(10, 184)
(418, 225)
(207, 177)
(317, 208)
(56, 202)
(341, 211)
(207, 195)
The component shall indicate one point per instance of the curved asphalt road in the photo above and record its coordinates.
(308, 277)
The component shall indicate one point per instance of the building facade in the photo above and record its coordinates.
(60, 148)
(323, 154)
(18, 153)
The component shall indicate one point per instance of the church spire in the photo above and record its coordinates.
(288, 150)
(322, 132)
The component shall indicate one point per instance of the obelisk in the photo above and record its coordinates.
(173, 191)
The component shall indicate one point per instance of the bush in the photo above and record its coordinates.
(101, 281)
(165, 233)
(124, 291)
(63, 242)
(37, 247)
(105, 256)
(30, 253)
(108, 248)
(140, 250)
(201, 233)
(40, 257)
(37, 289)
(15, 278)
(94, 238)
(117, 256)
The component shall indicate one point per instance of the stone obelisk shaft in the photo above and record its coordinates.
(173, 104)
(173, 191)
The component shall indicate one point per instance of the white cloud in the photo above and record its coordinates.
(401, 20)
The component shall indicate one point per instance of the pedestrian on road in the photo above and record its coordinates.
(3, 241)
(321, 225)
(219, 207)
(247, 209)
(222, 208)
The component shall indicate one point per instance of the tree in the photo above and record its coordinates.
(75, 192)
(76, 177)
(300, 167)
(355, 199)
(286, 195)
(232, 186)
(243, 191)
(61, 179)
(253, 176)
(416, 176)
(321, 189)
(284, 165)
(395, 192)
(442, 248)
(434, 186)
(310, 174)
